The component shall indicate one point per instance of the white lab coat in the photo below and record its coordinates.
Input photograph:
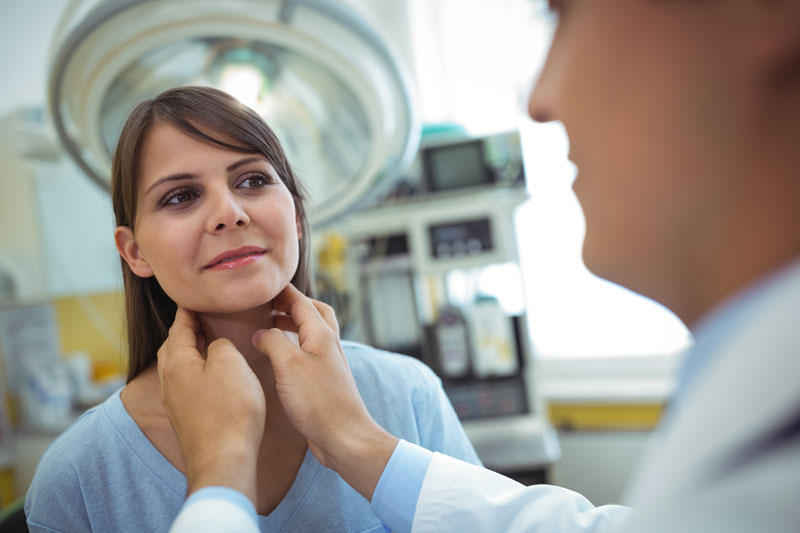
(729, 459)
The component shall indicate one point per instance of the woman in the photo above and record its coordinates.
(210, 218)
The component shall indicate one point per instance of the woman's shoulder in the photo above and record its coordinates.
(102, 474)
(368, 363)
(86, 433)
(405, 397)
(388, 380)
(69, 460)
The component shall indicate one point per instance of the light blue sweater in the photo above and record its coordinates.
(103, 474)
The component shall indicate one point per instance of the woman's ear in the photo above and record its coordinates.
(129, 250)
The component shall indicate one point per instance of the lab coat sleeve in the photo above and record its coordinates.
(458, 496)
(216, 510)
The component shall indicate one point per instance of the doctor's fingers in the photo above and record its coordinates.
(328, 314)
(181, 345)
(291, 296)
(184, 331)
(186, 318)
(319, 342)
(319, 352)
(223, 352)
(301, 309)
(172, 365)
(274, 344)
(284, 322)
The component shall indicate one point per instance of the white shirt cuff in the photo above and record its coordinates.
(216, 509)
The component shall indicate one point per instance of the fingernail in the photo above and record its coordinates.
(256, 336)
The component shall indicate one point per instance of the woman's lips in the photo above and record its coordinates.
(236, 262)
(236, 258)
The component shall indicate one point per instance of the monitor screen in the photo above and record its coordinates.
(456, 166)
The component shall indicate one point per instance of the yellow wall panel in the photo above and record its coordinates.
(605, 416)
(94, 324)
(7, 492)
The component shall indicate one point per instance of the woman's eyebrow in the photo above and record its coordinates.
(171, 177)
(237, 164)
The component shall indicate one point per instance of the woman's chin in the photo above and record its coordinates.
(230, 305)
(230, 298)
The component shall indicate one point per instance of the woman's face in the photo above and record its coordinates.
(217, 228)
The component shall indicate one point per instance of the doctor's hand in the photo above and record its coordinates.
(216, 406)
(318, 392)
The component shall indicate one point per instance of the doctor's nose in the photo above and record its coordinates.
(543, 99)
(227, 213)
(540, 101)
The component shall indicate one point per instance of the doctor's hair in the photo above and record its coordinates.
(210, 116)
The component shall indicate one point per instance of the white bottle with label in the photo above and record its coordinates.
(492, 340)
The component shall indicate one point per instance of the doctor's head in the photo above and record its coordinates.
(683, 122)
(209, 214)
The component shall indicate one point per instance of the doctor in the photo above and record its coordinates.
(684, 122)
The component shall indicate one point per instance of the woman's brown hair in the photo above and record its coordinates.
(201, 112)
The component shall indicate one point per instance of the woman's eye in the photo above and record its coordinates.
(180, 196)
(254, 181)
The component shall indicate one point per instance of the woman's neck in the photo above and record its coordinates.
(281, 440)
(239, 329)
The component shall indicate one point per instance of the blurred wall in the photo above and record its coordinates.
(598, 464)
(25, 32)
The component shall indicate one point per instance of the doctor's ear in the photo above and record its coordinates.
(779, 40)
(129, 250)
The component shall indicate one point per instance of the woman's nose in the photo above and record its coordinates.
(227, 212)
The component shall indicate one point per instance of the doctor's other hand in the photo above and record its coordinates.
(318, 392)
(216, 406)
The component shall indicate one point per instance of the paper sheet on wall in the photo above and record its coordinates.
(6, 436)
(26, 332)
